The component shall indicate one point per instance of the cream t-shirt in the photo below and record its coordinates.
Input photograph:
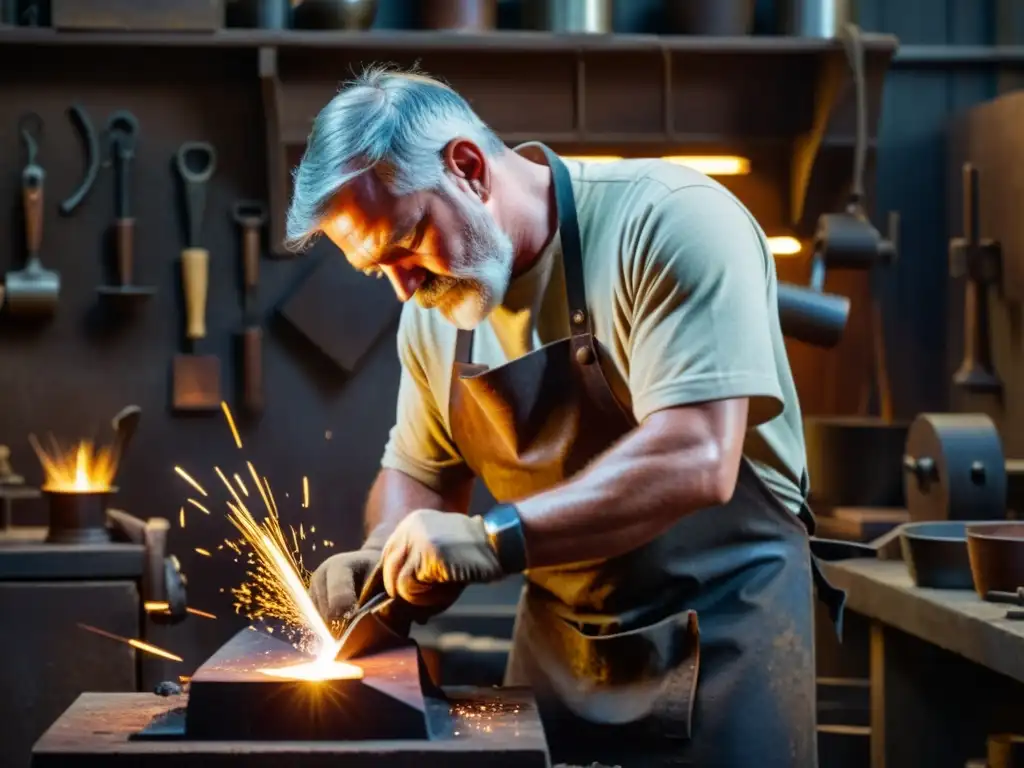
(681, 289)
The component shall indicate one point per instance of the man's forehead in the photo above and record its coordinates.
(365, 216)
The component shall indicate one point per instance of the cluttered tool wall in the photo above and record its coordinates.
(329, 370)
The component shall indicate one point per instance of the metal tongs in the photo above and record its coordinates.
(376, 623)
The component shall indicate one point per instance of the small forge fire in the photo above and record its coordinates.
(80, 468)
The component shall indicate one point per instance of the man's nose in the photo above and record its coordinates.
(405, 281)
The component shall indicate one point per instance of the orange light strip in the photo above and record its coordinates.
(137, 644)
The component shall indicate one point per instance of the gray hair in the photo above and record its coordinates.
(392, 122)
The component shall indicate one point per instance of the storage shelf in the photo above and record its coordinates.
(608, 94)
(502, 40)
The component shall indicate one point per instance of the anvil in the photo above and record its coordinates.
(233, 697)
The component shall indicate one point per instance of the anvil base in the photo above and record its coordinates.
(494, 727)
(231, 697)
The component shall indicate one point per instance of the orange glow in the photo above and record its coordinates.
(317, 671)
(712, 165)
(84, 468)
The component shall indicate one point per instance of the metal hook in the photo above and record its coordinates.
(30, 126)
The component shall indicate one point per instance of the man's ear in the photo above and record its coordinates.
(468, 164)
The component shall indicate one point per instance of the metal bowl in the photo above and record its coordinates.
(936, 554)
(996, 550)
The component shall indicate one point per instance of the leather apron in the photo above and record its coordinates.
(696, 648)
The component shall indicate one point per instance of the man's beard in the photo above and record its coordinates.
(479, 276)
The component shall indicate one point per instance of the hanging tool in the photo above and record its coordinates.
(251, 216)
(80, 119)
(196, 377)
(981, 263)
(32, 290)
(849, 240)
(376, 623)
(123, 132)
(124, 423)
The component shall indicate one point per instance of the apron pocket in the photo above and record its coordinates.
(647, 673)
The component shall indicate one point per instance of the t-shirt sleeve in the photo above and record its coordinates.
(701, 325)
(419, 444)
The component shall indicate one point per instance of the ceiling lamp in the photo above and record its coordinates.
(712, 165)
(784, 245)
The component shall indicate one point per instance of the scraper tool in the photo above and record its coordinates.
(196, 377)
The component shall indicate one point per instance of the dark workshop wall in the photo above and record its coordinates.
(919, 101)
(72, 376)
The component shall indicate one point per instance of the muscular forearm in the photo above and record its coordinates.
(395, 494)
(678, 461)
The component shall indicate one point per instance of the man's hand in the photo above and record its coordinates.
(336, 584)
(432, 555)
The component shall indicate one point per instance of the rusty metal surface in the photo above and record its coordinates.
(494, 727)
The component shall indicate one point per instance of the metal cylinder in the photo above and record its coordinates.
(814, 18)
(459, 15)
(575, 16)
(814, 318)
(78, 517)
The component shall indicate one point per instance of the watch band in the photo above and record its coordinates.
(504, 530)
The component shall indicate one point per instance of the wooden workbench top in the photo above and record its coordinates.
(957, 620)
(499, 727)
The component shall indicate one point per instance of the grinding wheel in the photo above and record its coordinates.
(954, 469)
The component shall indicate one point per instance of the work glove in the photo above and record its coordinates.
(336, 584)
(432, 556)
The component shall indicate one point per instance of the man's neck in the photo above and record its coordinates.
(532, 218)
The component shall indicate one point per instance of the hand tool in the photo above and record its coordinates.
(32, 290)
(196, 377)
(980, 261)
(123, 131)
(125, 423)
(376, 623)
(80, 118)
(251, 215)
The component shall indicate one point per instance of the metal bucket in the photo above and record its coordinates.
(569, 16)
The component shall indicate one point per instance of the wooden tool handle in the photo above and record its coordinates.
(252, 368)
(32, 199)
(125, 232)
(251, 256)
(195, 276)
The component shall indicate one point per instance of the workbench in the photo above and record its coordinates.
(495, 727)
(946, 668)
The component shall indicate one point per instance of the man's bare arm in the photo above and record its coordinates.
(395, 494)
(677, 461)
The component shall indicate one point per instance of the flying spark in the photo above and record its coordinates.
(190, 480)
(199, 506)
(138, 644)
(181, 517)
(231, 423)
(305, 492)
(276, 587)
(203, 552)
